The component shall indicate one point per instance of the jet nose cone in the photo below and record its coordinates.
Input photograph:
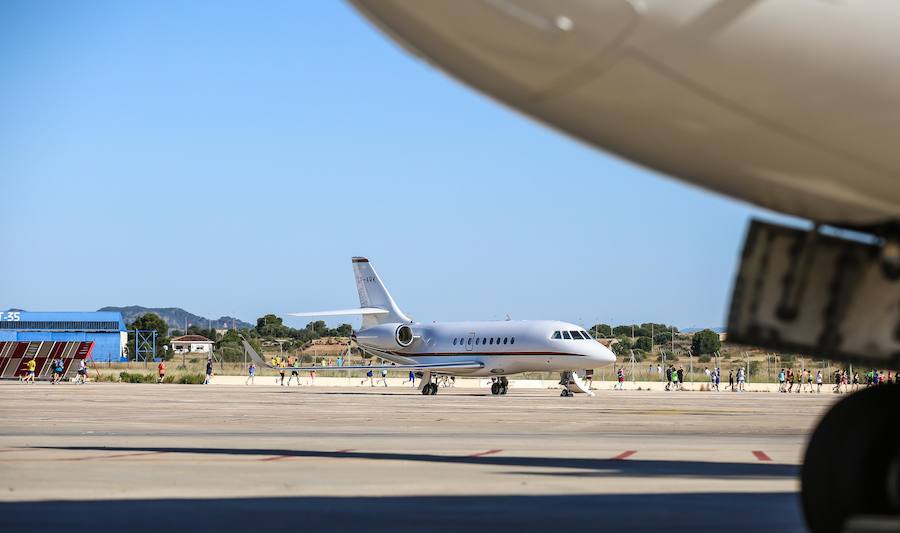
(510, 48)
(604, 354)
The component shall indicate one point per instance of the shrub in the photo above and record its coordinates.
(191, 379)
(106, 377)
(134, 377)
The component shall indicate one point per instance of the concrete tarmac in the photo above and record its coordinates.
(126, 457)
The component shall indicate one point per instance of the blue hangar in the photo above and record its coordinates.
(106, 329)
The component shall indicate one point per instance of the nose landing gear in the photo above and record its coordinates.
(565, 379)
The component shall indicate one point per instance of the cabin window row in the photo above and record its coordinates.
(570, 335)
(483, 341)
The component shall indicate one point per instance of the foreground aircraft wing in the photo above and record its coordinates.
(455, 365)
(342, 312)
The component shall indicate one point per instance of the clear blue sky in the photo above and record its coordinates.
(230, 158)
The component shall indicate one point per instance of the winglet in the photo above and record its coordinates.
(252, 353)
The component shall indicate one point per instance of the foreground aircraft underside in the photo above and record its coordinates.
(479, 348)
(790, 105)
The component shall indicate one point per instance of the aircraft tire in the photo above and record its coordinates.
(495, 389)
(852, 463)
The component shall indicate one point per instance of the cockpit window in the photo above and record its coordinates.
(586, 335)
(556, 335)
(566, 335)
(576, 335)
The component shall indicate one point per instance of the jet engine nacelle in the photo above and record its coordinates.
(389, 337)
(404, 335)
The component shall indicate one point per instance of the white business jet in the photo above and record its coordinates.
(480, 348)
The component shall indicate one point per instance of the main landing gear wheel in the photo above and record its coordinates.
(852, 463)
(430, 388)
(566, 393)
(500, 386)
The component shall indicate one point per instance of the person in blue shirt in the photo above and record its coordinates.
(251, 373)
(369, 375)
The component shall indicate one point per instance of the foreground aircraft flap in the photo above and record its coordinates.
(805, 292)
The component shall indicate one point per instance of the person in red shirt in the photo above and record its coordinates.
(162, 371)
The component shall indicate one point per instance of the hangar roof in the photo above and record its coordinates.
(62, 321)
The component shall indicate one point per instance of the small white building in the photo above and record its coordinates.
(192, 344)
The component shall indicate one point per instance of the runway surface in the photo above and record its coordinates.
(117, 457)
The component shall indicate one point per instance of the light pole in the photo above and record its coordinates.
(691, 366)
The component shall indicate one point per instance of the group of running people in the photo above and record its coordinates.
(674, 378)
(803, 379)
(57, 368)
(737, 379)
(843, 382)
(282, 364)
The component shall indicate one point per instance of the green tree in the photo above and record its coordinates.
(622, 331)
(230, 348)
(623, 346)
(601, 331)
(151, 322)
(664, 338)
(645, 344)
(271, 326)
(268, 320)
(705, 342)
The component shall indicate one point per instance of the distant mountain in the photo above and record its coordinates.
(178, 318)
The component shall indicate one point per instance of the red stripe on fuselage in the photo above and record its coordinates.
(470, 354)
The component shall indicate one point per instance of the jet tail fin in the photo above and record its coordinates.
(373, 294)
